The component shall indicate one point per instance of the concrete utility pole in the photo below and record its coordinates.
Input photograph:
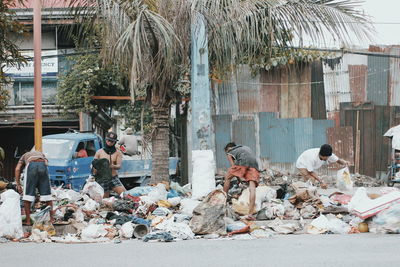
(199, 113)
(200, 95)
(37, 70)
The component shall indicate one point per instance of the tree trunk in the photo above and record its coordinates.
(160, 144)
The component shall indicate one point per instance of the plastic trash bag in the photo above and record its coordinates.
(94, 190)
(330, 223)
(175, 201)
(179, 230)
(388, 221)
(10, 215)
(208, 216)
(203, 178)
(139, 191)
(42, 222)
(158, 193)
(343, 180)
(263, 194)
(127, 230)
(188, 205)
(79, 216)
(94, 231)
(90, 205)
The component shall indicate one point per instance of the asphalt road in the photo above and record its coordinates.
(291, 250)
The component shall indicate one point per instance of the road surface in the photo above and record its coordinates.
(280, 250)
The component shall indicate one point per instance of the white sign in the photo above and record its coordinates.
(49, 65)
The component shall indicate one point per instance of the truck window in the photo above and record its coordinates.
(57, 148)
(90, 148)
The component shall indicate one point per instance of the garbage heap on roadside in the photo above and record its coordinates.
(169, 212)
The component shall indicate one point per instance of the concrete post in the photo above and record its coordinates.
(199, 117)
(200, 96)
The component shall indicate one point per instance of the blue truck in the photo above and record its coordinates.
(66, 169)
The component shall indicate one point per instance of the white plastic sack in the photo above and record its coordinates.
(174, 201)
(364, 207)
(93, 231)
(263, 193)
(158, 193)
(188, 205)
(177, 230)
(343, 180)
(90, 205)
(359, 199)
(319, 225)
(203, 178)
(79, 216)
(127, 230)
(10, 215)
(94, 190)
(69, 194)
(323, 224)
(388, 221)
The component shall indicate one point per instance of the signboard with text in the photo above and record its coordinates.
(49, 65)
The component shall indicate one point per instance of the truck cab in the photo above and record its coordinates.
(68, 170)
(65, 167)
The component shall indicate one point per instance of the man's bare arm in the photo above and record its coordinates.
(118, 162)
(343, 162)
(230, 159)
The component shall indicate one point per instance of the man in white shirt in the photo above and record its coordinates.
(312, 159)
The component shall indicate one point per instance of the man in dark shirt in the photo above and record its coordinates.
(244, 165)
(36, 176)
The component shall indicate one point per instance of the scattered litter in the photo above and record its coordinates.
(160, 236)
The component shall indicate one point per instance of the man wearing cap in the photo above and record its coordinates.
(130, 142)
(312, 159)
(36, 176)
(114, 158)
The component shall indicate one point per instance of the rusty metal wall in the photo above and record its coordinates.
(319, 131)
(337, 80)
(358, 82)
(394, 77)
(366, 125)
(223, 135)
(295, 97)
(224, 97)
(285, 90)
(341, 140)
(270, 90)
(334, 116)
(382, 124)
(318, 107)
(378, 80)
(244, 131)
(248, 88)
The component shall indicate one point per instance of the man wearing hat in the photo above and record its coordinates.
(114, 158)
(130, 141)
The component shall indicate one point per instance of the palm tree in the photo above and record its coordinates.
(151, 39)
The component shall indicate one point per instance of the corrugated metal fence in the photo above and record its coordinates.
(273, 140)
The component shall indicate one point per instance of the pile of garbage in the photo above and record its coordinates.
(276, 178)
(169, 212)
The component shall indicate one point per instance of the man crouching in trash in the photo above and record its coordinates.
(36, 176)
(108, 159)
(244, 165)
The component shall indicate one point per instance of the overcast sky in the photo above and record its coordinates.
(385, 15)
(386, 18)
